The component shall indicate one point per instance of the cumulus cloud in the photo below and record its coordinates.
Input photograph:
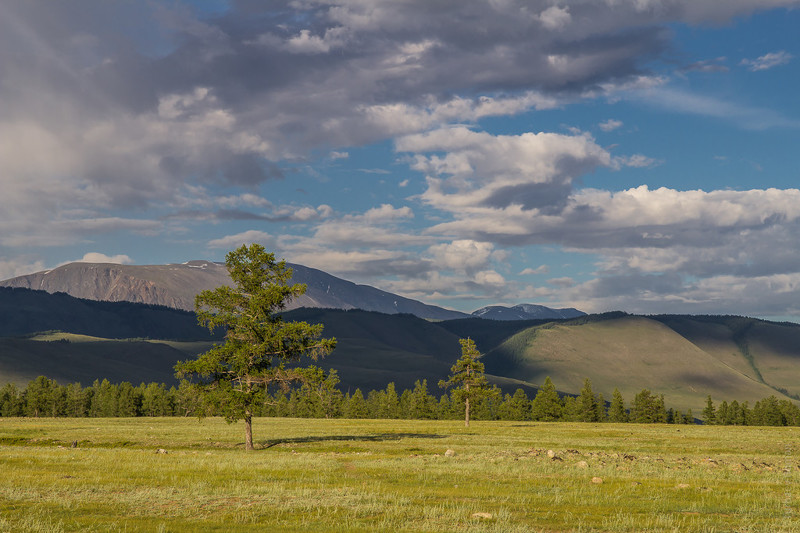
(485, 171)
(95, 257)
(462, 255)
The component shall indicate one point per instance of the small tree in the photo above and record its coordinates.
(616, 412)
(709, 413)
(587, 403)
(234, 376)
(547, 406)
(468, 378)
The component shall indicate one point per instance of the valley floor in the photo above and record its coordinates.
(171, 474)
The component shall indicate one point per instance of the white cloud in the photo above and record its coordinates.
(610, 125)
(636, 161)
(483, 170)
(462, 255)
(555, 17)
(541, 269)
(95, 257)
(767, 61)
(11, 268)
(306, 43)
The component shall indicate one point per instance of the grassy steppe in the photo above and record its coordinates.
(389, 475)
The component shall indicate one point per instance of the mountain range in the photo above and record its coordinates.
(176, 285)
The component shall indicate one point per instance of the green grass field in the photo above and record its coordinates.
(388, 475)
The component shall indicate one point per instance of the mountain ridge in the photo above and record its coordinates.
(175, 285)
(526, 312)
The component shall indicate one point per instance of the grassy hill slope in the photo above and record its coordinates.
(768, 352)
(630, 353)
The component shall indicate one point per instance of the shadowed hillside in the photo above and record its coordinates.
(24, 311)
(69, 358)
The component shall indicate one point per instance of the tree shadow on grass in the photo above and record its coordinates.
(372, 438)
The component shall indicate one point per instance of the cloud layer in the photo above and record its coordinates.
(161, 120)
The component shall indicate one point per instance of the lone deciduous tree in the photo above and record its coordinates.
(234, 376)
(468, 378)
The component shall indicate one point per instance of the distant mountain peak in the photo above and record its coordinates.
(175, 285)
(526, 312)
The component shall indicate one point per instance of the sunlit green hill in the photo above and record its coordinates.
(632, 353)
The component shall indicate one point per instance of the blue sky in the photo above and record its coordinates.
(622, 154)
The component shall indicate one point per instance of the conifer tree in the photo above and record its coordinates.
(602, 415)
(355, 406)
(467, 378)
(709, 413)
(516, 407)
(547, 405)
(587, 403)
(616, 412)
(234, 376)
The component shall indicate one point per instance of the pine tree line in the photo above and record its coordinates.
(322, 398)
(769, 411)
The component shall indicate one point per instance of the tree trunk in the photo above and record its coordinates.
(248, 431)
(466, 413)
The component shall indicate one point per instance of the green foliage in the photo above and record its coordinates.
(648, 408)
(547, 406)
(355, 406)
(319, 397)
(588, 404)
(617, 412)
(468, 378)
(709, 413)
(516, 407)
(259, 345)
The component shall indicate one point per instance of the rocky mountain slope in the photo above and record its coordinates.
(526, 312)
(176, 285)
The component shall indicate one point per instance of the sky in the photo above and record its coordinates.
(635, 155)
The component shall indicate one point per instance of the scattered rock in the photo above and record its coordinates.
(162, 450)
(597, 480)
(485, 516)
(551, 454)
(682, 486)
(582, 464)
(449, 453)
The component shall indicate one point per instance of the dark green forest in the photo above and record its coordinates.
(44, 397)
